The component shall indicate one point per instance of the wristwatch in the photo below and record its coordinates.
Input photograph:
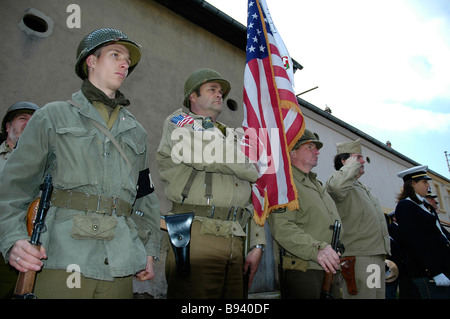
(260, 246)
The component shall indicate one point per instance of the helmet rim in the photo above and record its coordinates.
(100, 38)
(201, 77)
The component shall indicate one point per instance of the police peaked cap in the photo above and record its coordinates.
(416, 173)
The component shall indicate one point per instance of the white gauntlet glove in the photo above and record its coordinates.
(441, 280)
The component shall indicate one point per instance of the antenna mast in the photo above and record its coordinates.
(446, 157)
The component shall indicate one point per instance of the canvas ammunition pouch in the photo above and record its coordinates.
(348, 272)
(237, 214)
(96, 220)
(93, 226)
(179, 230)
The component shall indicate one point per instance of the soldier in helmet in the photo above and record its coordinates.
(13, 124)
(96, 153)
(303, 235)
(216, 188)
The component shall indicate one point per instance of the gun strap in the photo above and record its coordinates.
(208, 187)
(190, 181)
(188, 184)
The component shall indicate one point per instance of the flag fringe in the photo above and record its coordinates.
(292, 205)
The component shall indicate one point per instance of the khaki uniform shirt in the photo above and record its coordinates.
(302, 232)
(61, 140)
(5, 151)
(366, 231)
(185, 146)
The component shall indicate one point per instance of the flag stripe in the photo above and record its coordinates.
(273, 121)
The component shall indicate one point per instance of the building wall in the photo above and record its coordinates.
(381, 178)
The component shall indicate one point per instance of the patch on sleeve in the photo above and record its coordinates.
(181, 120)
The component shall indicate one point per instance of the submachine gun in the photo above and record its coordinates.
(338, 247)
(37, 211)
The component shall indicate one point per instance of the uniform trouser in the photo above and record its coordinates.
(307, 284)
(8, 279)
(369, 277)
(216, 268)
(52, 284)
(428, 289)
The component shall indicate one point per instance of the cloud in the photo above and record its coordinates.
(399, 118)
(377, 67)
(381, 66)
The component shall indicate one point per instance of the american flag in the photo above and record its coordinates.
(181, 120)
(273, 121)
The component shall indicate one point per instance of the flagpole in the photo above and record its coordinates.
(306, 91)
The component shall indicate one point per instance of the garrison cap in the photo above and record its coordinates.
(416, 173)
(308, 137)
(349, 147)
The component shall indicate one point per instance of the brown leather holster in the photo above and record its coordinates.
(348, 272)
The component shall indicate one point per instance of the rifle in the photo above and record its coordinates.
(327, 282)
(35, 226)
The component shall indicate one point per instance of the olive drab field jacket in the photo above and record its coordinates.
(5, 151)
(186, 146)
(302, 232)
(361, 213)
(62, 141)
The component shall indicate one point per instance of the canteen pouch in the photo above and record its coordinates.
(348, 272)
(93, 227)
(179, 230)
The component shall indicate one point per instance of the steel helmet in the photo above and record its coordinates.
(19, 107)
(200, 77)
(101, 37)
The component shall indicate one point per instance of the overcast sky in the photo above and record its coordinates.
(381, 66)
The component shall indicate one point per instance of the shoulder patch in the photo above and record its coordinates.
(181, 120)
